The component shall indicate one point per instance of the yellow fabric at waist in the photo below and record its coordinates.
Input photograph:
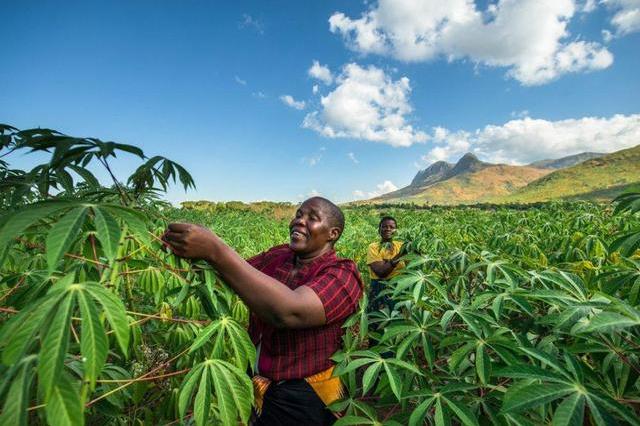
(327, 387)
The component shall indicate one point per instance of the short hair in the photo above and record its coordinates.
(385, 218)
(336, 217)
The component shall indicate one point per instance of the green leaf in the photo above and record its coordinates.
(496, 306)
(599, 413)
(394, 380)
(570, 412)
(525, 371)
(233, 391)
(483, 364)
(204, 336)
(64, 407)
(354, 421)
(54, 347)
(627, 244)
(533, 395)
(420, 412)
(19, 333)
(609, 321)
(441, 416)
(93, 340)
(85, 174)
(130, 149)
(202, 403)
(544, 358)
(108, 232)
(355, 364)
(62, 234)
(134, 220)
(230, 341)
(370, 376)
(115, 313)
(462, 412)
(187, 388)
(614, 406)
(20, 220)
(14, 410)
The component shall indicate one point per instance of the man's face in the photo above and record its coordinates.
(387, 230)
(310, 231)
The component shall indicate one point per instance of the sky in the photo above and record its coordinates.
(282, 100)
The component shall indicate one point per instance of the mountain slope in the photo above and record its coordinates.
(477, 186)
(432, 174)
(620, 169)
(439, 171)
(571, 160)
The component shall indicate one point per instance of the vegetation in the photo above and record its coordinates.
(597, 179)
(614, 170)
(503, 315)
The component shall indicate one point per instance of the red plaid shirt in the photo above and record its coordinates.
(298, 353)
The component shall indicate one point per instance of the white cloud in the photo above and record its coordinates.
(520, 114)
(249, 21)
(352, 157)
(321, 72)
(314, 193)
(259, 95)
(626, 18)
(239, 80)
(588, 6)
(525, 140)
(366, 104)
(288, 100)
(315, 89)
(528, 37)
(383, 188)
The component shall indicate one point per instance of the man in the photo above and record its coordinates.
(383, 259)
(299, 295)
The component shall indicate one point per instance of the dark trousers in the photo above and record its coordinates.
(293, 402)
(377, 302)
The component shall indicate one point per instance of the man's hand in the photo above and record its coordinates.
(190, 241)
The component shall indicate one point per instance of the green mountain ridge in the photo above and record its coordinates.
(583, 176)
(597, 178)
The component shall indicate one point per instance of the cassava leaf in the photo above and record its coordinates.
(64, 406)
(93, 340)
(54, 346)
(14, 410)
(114, 311)
(108, 232)
(62, 234)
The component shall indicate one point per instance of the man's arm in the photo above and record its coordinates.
(383, 268)
(267, 297)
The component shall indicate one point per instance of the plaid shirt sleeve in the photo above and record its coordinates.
(260, 260)
(339, 288)
(257, 260)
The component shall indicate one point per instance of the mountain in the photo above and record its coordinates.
(432, 174)
(469, 163)
(599, 178)
(441, 170)
(565, 162)
(583, 176)
(469, 180)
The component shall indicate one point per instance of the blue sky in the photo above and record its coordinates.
(227, 88)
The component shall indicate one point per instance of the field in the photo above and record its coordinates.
(514, 316)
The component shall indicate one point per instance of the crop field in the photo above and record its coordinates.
(508, 316)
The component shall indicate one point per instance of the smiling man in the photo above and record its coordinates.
(299, 295)
(384, 261)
